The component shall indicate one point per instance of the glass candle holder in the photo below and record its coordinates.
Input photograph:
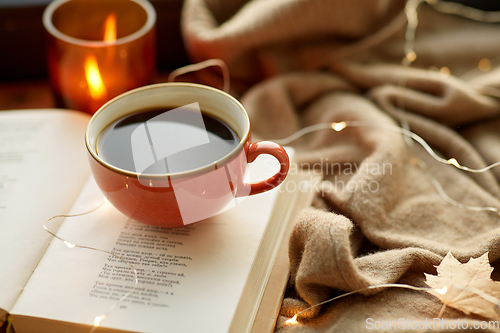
(98, 49)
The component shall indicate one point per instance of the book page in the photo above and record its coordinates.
(43, 167)
(190, 279)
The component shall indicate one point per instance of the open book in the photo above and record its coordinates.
(206, 277)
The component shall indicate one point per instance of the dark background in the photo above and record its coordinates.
(22, 38)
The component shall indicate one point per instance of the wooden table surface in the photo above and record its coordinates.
(38, 94)
(26, 95)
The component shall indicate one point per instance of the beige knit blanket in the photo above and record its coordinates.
(295, 63)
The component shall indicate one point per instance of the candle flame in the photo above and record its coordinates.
(110, 28)
(96, 86)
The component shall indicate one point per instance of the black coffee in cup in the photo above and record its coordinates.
(178, 142)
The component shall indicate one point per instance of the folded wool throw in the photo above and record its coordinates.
(377, 217)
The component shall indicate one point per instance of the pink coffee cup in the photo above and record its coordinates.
(178, 199)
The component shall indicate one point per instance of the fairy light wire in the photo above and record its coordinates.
(459, 9)
(386, 285)
(411, 27)
(202, 65)
(442, 193)
(448, 199)
(441, 291)
(69, 215)
(100, 318)
(339, 126)
(303, 131)
(409, 57)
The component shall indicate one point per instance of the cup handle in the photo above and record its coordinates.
(273, 149)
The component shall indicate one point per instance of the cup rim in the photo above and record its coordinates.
(192, 172)
(49, 26)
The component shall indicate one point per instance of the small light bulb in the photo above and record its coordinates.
(292, 320)
(484, 65)
(411, 56)
(444, 71)
(442, 291)
(68, 244)
(339, 126)
(453, 162)
(98, 319)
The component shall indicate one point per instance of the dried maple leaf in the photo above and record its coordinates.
(466, 287)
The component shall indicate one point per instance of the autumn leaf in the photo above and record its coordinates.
(466, 287)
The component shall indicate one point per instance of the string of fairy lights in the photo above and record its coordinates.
(441, 291)
(339, 126)
(97, 319)
(409, 57)
(411, 11)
